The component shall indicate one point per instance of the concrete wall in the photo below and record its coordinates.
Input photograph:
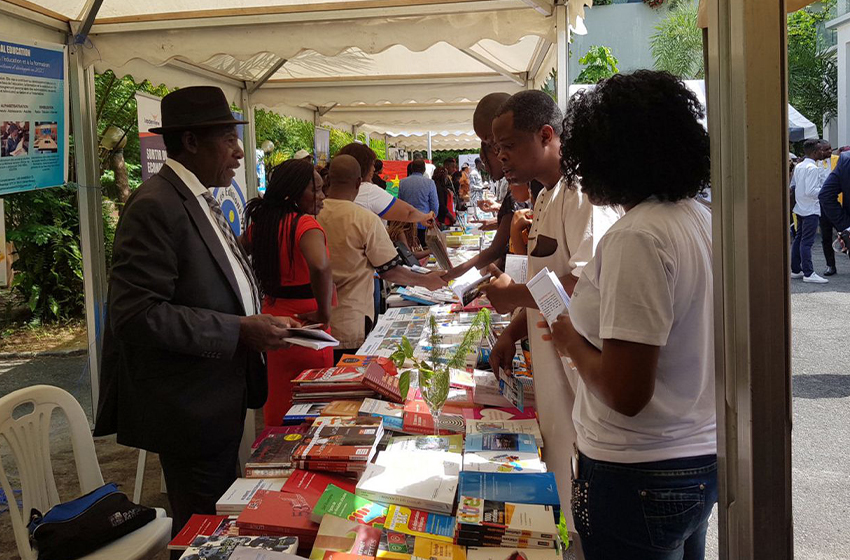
(624, 28)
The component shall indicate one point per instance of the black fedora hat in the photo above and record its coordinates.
(195, 107)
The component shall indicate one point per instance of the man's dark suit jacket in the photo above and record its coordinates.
(836, 183)
(173, 377)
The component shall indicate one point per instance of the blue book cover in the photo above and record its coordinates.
(527, 488)
(521, 443)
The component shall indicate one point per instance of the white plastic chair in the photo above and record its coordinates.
(28, 437)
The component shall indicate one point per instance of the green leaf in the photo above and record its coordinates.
(398, 357)
(404, 384)
(406, 347)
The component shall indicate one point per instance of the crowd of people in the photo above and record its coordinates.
(624, 382)
(816, 204)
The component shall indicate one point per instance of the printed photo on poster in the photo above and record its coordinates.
(33, 116)
(151, 146)
(4, 257)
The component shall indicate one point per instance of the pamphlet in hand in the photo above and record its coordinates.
(549, 294)
(311, 336)
(468, 286)
(516, 266)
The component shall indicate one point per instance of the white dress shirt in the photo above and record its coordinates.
(807, 181)
(198, 189)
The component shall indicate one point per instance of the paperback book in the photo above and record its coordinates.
(234, 500)
(502, 453)
(481, 522)
(419, 523)
(208, 526)
(391, 413)
(530, 427)
(222, 548)
(274, 452)
(345, 408)
(338, 535)
(340, 503)
(278, 513)
(354, 360)
(488, 553)
(452, 443)
(312, 484)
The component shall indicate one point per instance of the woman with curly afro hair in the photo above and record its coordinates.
(640, 327)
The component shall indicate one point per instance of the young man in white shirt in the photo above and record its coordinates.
(807, 182)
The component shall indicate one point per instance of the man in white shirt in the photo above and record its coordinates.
(807, 182)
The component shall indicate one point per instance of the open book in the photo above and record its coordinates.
(311, 336)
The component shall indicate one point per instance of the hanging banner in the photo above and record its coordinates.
(322, 146)
(151, 145)
(468, 159)
(33, 116)
(232, 199)
(4, 256)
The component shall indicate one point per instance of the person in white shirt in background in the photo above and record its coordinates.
(807, 182)
(640, 326)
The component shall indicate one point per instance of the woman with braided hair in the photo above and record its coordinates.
(292, 264)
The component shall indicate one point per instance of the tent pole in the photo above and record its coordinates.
(250, 142)
(562, 27)
(429, 145)
(90, 201)
(748, 123)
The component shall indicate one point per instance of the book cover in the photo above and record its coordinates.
(247, 553)
(419, 523)
(346, 408)
(311, 484)
(481, 553)
(221, 548)
(242, 490)
(502, 452)
(418, 420)
(383, 383)
(268, 472)
(452, 443)
(530, 427)
(277, 511)
(431, 486)
(341, 535)
(497, 519)
(391, 413)
(332, 375)
(345, 421)
(292, 429)
(398, 546)
(352, 360)
(200, 525)
(531, 488)
(339, 443)
(340, 503)
(504, 413)
(275, 451)
(342, 468)
(305, 411)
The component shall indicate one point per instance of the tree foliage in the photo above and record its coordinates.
(677, 42)
(812, 67)
(598, 64)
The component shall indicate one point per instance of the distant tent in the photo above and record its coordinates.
(799, 127)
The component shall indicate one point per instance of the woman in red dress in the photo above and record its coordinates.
(292, 263)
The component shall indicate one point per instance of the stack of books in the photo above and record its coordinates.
(278, 514)
(487, 391)
(272, 458)
(488, 523)
(532, 488)
(312, 484)
(329, 384)
(502, 452)
(234, 500)
(241, 548)
(492, 426)
(414, 479)
(210, 527)
(418, 419)
(340, 445)
(391, 413)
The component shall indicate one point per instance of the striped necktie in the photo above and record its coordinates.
(236, 249)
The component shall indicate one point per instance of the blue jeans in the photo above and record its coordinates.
(801, 248)
(644, 511)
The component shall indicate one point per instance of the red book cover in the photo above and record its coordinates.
(418, 420)
(275, 451)
(351, 360)
(338, 467)
(299, 429)
(311, 485)
(278, 511)
(346, 375)
(383, 383)
(206, 525)
(507, 413)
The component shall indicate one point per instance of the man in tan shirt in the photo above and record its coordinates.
(359, 246)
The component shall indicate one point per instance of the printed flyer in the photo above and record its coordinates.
(33, 116)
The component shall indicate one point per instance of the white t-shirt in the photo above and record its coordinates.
(372, 197)
(565, 229)
(650, 282)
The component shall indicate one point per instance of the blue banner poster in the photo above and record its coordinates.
(33, 116)
(233, 198)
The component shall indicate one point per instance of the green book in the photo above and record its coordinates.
(340, 503)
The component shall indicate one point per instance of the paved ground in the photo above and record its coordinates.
(821, 422)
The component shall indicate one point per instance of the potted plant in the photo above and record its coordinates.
(434, 372)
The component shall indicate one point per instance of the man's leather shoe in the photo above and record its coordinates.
(830, 270)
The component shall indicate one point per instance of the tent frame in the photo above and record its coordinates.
(747, 97)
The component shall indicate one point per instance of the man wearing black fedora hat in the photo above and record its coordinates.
(183, 340)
